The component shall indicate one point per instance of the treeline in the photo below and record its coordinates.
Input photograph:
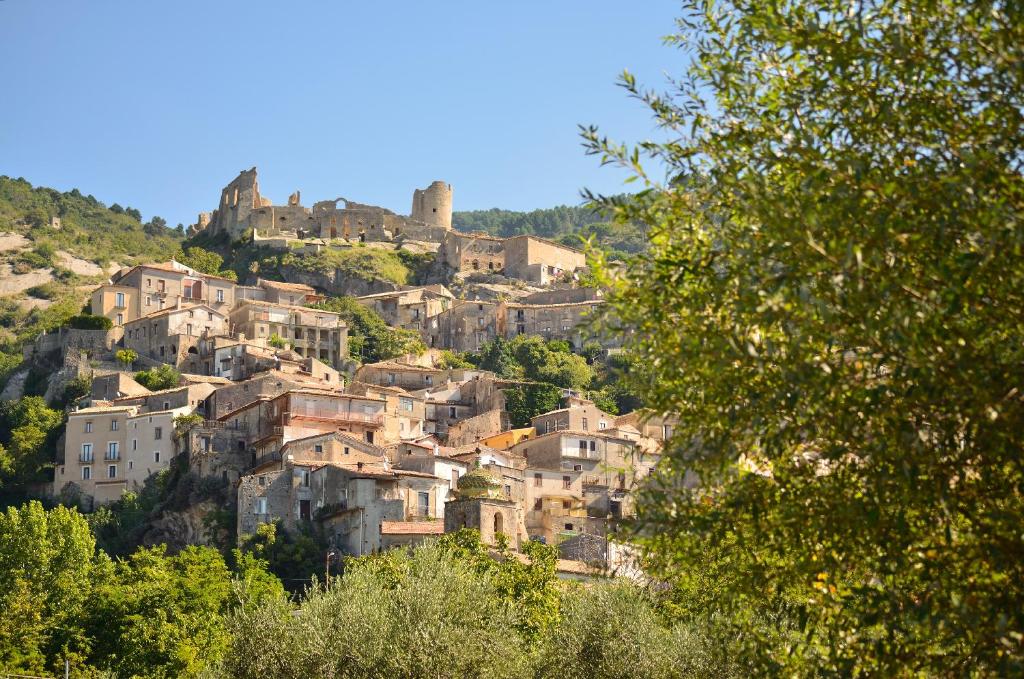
(88, 228)
(453, 608)
(570, 225)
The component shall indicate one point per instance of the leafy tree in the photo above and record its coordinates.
(294, 557)
(831, 307)
(46, 566)
(277, 341)
(29, 434)
(90, 322)
(451, 360)
(201, 260)
(370, 339)
(528, 401)
(127, 357)
(162, 615)
(76, 388)
(160, 377)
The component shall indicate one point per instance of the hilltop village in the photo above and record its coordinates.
(270, 405)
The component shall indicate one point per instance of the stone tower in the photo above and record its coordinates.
(481, 503)
(433, 205)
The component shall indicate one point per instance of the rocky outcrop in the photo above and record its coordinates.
(336, 283)
(182, 527)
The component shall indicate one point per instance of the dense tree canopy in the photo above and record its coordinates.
(832, 306)
(370, 339)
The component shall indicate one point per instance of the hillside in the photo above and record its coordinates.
(48, 266)
(567, 224)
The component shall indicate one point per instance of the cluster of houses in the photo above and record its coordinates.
(370, 456)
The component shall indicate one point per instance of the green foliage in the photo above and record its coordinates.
(529, 400)
(46, 567)
(88, 229)
(827, 307)
(451, 360)
(76, 388)
(370, 339)
(204, 261)
(568, 225)
(18, 326)
(361, 626)
(182, 423)
(297, 559)
(28, 433)
(277, 341)
(369, 264)
(90, 322)
(530, 357)
(161, 377)
(127, 356)
(162, 615)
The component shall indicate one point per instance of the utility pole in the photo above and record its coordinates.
(327, 568)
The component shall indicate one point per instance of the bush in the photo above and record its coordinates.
(155, 379)
(90, 322)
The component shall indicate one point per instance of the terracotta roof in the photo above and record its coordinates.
(210, 379)
(340, 435)
(305, 309)
(412, 528)
(102, 409)
(545, 240)
(392, 365)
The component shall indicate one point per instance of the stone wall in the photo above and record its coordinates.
(433, 205)
(475, 428)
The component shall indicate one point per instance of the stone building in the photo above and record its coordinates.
(481, 503)
(471, 252)
(109, 450)
(172, 336)
(578, 414)
(466, 326)
(310, 332)
(141, 290)
(409, 308)
(540, 261)
(433, 205)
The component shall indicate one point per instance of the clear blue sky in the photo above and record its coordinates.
(157, 105)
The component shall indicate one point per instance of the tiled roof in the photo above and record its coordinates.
(278, 285)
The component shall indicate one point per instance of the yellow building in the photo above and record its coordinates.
(507, 439)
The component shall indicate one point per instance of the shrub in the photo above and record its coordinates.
(90, 322)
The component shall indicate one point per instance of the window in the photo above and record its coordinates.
(112, 471)
(220, 298)
(158, 432)
(120, 319)
(585, 426)
(566, 481)
(86, 452)
(149, 300)
(568, 526)
(156, 456)
(566, 504)
(131, 465)
(167, 406)
(422, 504)
(593, 446)
(189, 329)
(508, 491)
(428, 379)
(149, 282)
(318, 448)
(112, 452)
(391, 378)
(583, 446)
(538, 479)
(191, 314)
(406, 404)
(209, 315)
(119, 300)
(538, 505)
(305, 479)
(262, 479)
(369, 437)
(261, 505)
(346, 450)
(304, 507)
(577, 467)
(451, 412)
(86, 473)
(602, 425)
(88, 427)
(113, 425)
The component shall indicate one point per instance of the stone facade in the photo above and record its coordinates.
(541, 261)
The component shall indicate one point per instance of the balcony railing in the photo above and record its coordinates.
(332, 416)
(85, 459)
(112, 457)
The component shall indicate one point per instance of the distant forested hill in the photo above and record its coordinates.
(89, 229)
(567, 224)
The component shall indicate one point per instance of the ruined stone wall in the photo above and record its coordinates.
(534, 259)
(467, 252)
(237, 200)
(563, 296)
(433, 205)
(476, 428)
(276, 487)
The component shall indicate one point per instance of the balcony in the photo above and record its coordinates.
(85, 459)
(111, 457)
(324, 415)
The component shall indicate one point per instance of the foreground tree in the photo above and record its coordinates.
(832, 304)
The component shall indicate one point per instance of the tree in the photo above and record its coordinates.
(201, 260)
(31, 429)
(277, 341)
(370, 339)
(161, 377)
(831, 306)
(90, 322)
(127, 357)
(528, 401)
(46, 566)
